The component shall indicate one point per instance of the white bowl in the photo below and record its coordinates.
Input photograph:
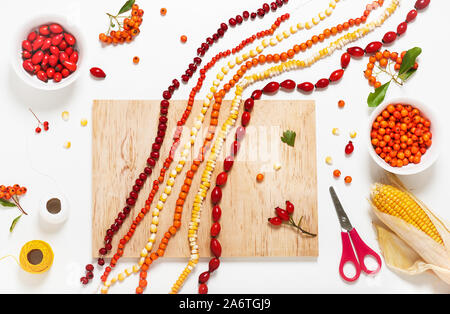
(433, 151)
(22, 33)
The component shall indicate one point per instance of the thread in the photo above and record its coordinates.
(36, 257)
(54, 209)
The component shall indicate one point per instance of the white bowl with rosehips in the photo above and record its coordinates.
(48, 52)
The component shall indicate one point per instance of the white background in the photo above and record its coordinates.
(44, 166)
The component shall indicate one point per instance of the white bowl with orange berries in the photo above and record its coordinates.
(404, 136)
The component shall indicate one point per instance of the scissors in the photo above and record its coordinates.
(350, 236)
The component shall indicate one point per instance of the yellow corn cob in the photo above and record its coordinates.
(395, 202)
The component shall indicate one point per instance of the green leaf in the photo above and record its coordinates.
(377, 97)
(126, 7)
(405, 76)
(14, 223)
(5, 203)
(288, 137)
(409, 60)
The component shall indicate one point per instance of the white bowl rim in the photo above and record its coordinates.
(20, 35)
(436, 127)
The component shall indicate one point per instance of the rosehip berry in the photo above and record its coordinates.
(283, 214)
(289, 207)
(89, 275)
(276, 221)
(349, 148)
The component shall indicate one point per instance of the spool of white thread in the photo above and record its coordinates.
(54, 209)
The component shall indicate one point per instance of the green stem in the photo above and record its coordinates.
(298, 226)
(16, 201)
(394, 77)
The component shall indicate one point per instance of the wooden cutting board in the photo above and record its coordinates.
(123, 132)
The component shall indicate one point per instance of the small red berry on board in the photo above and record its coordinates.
(282, 213)
(290, 207)
(276, 221)
(44, 124)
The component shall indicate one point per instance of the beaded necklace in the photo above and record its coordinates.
(176, 142)
(145, 260)
(272, 88)
(162, 126)
(216, 194)
(185, 189)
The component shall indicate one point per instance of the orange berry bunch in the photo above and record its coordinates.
(401, 135)
(8, 193)
(384, 59)
(128, 28)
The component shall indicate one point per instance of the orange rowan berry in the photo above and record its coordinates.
(260, 177)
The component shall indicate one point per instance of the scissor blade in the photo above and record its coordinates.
(342, 216)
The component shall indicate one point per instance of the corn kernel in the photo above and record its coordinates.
(276, 166)
(65, 115)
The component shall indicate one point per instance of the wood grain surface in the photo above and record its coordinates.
(123, 132)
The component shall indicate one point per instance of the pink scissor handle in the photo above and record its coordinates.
(362, 250)
(348, 256)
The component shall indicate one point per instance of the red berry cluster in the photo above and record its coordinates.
(285, 216)
(49, 53)
(89, 274)
(44, 124)
(282, 214)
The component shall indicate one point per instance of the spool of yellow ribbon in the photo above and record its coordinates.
(36, 257)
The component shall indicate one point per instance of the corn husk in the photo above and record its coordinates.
(409, 250)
